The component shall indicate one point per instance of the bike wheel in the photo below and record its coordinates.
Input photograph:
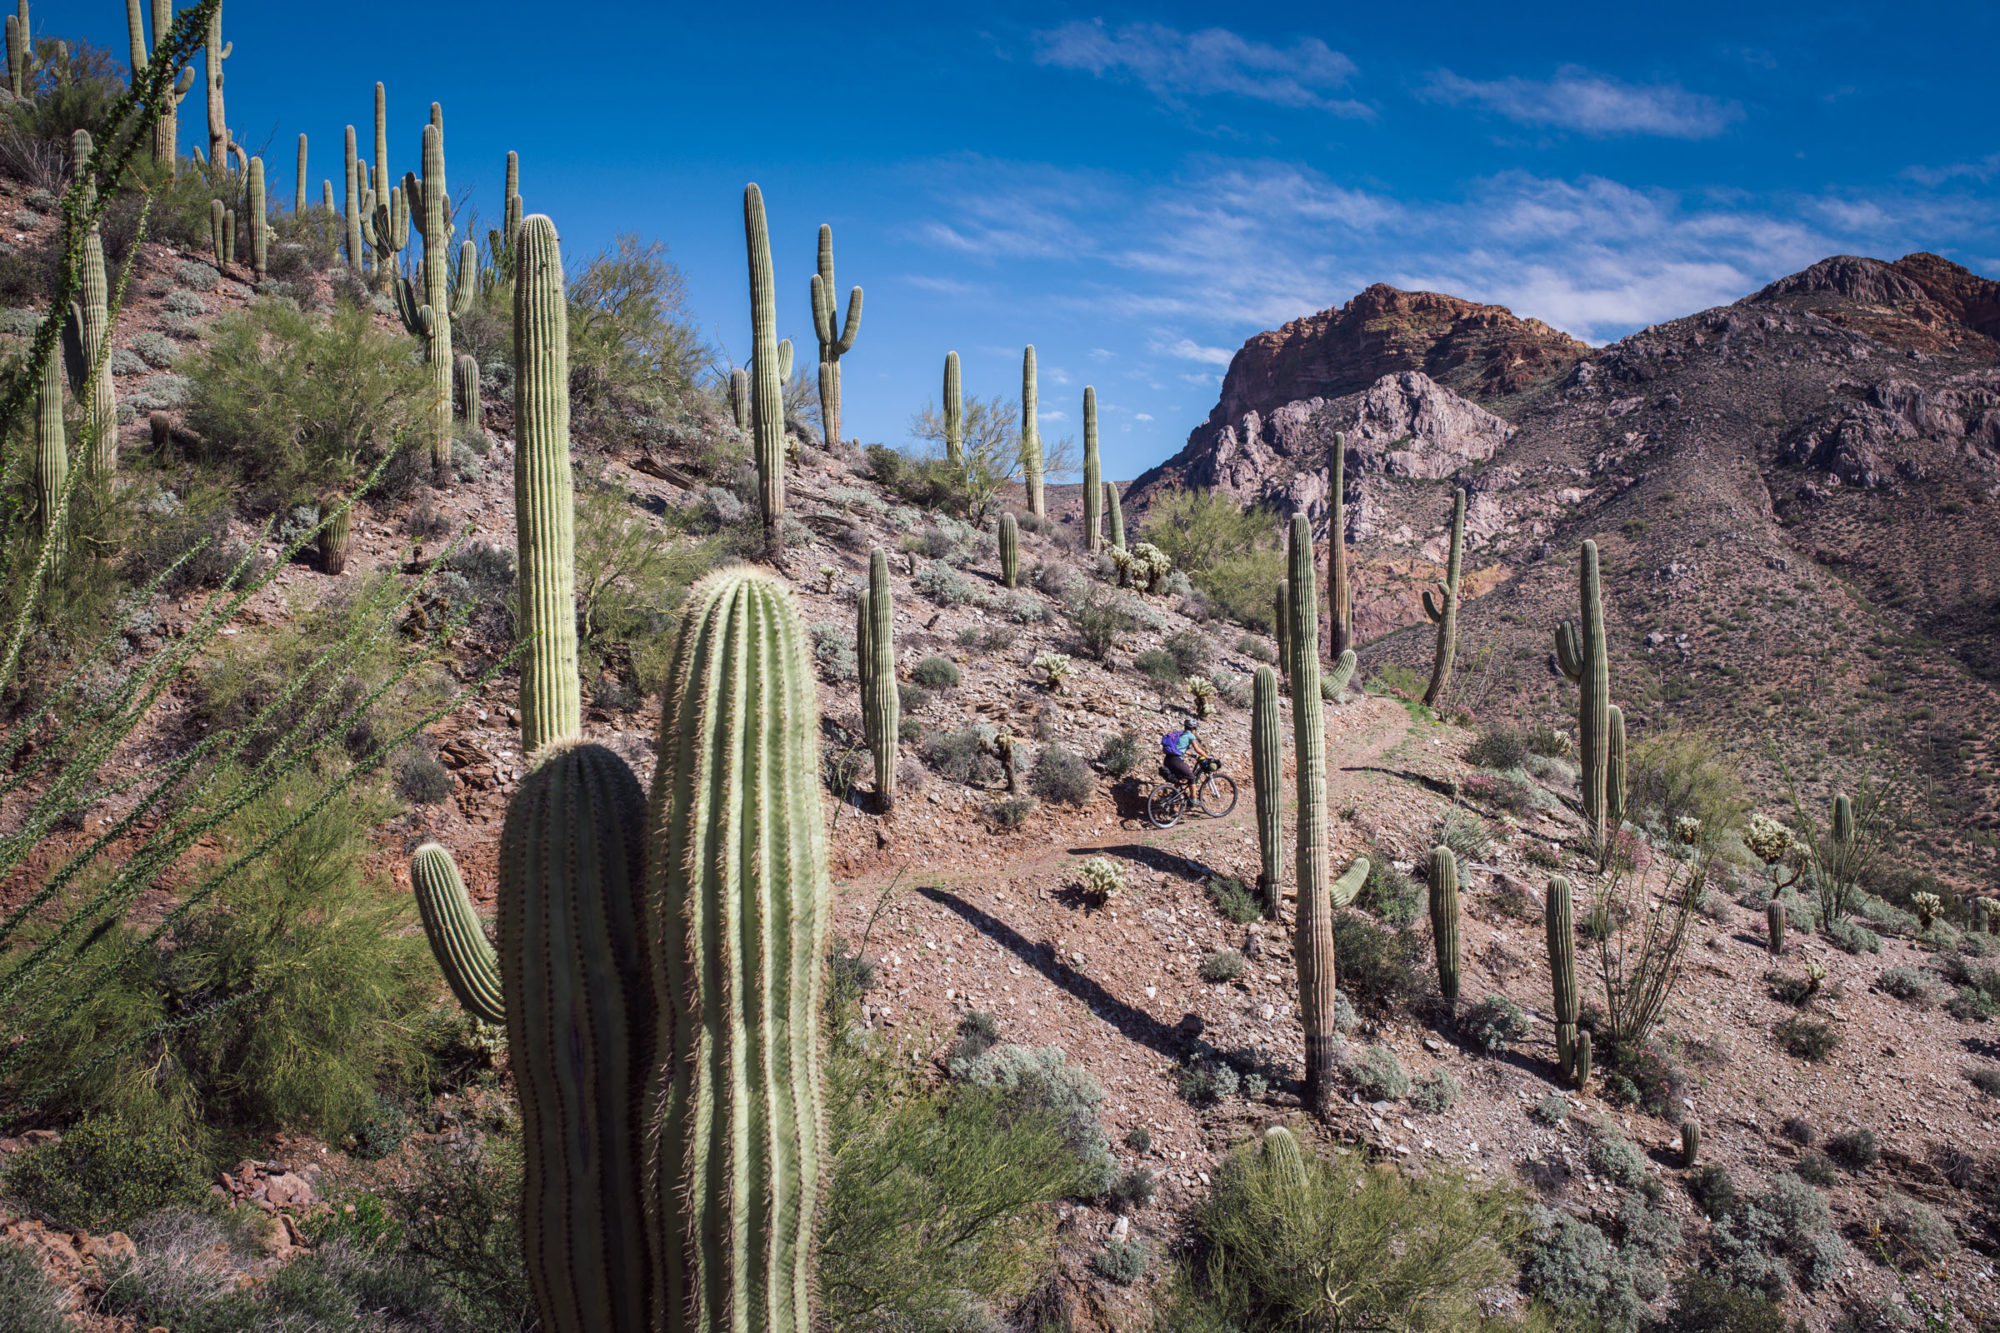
(1217, 795)
(1165, 805)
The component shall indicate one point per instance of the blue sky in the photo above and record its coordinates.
(1138, 190)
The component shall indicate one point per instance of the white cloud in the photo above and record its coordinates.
(1983, 170)
(1187, 349)
(1142, 416)
(1576, 99)
(1173, 65)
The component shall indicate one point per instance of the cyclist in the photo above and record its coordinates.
(1182, 748)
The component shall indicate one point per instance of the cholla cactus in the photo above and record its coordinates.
(1687, 830)
(1203, 691)
(1768, 840)
(1056, 667)
(828, 574)
(1815, 974)
(1149, 565)
(1928, 906)
(1100, 877)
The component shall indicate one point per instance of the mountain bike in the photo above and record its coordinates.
(1212, 792)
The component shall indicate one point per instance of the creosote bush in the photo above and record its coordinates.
(1493, 1024)
(1060, 777)
(1376, 1073)
(1222, 965)
(104, 1174)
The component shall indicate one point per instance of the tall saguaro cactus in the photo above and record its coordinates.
(881, 706)
(1093, 478)
(89, 334)
(1340, 597)
(384, 272)
(20, 46)
(1443, 610)
(1444, 922)
(1267, 777)
(220, 143)
(1031, 435)
(835, 339)
(299, 180)
(1314, 942)
(430, 315)
(166, 130)
(767, 399)
(954, 413)
(259, 205)
(1115, 515)
(1010, 550)
(1558, 917)
(544, 496)
(1580, 653)
(738, 877)
(355, 169)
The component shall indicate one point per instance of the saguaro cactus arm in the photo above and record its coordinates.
(544, 498)
(470, 966)
(1267, 779)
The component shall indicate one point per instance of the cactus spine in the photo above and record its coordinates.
(431, 315)
(90, 332)
(166, 130)
(1559, 918)
(1315, 916)
(355, 261)
(1443, 611)
(1031, 435)
(1115, 513)
(581, 1009)
(1580, 653)
(51, 461)
(1444, 922)
(1774, 927)
(739, 883)
(470, 966)
(465, 390)
(954, 414)
(1010, 550)
(1690, 1143)
(835, 339)
(1267, 777)
(1614, 769)
(767, 403)
(1093, 478)
(881, 706)
(260, 240)
(544, 500)
(1339, 596)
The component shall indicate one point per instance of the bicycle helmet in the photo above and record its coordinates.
(1187, 724)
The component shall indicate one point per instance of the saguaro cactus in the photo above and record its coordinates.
(260, 240)
(1614, 769)
(1010, 550)
(465, 391)
(299, 192)
(88, 336)
(51, 459)
(1267, 778)
(1093, 479)
(767, 401)
(1284, 1160)
(1339, 596)
(1690, 1143)
(355, 170)
(954, 415)
(1281, 626)
(835, 339)
(1774, 927)
(384, 272)
(228, 236)
(739, 397)
(1116, 514)
(216, 211)
(470, 966)
(1444, 922)
(1559, 919)
(166, 130)
(430, 315)
(739, 880)
(220, 144)
(1031, 435)
(20, 43)
(1581, 654)
(1443, 611)
(881, 706)
(582, 1013)
(1314, 943)
(544, 497)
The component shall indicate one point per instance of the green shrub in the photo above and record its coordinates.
(1986, 1079)
(31, 1303)
(1493, 1024)
(1232, 898)
(104, 1174)
(1391, 893)
(1378, 969)
(1713, 1190)
(1158, 666)
(1906, 983)
(1575, 1267)
(1815, 1169)
(1435, 1092)
(1120, 754)
(299, 405)
(1806, 1038)
(1190, 650)
(1466, 834)
(1551, 1109)
(1972, 1004)
(1041, 1079)
(1616, 1160)
(1376, 1073)
(1497, 747)
(1204, 1082)
(1222, 965)
(1854, 1149)
(1922, 1231)
(1704, 1305)
(1853, 937)
(1011, 812)
(1269, 1258)
(960, 756)
(1134, 1189)
(422, 780)
(1120, 1261)
(1781, 1233)
(1256, 649)
(935, 673)
(1061, 777)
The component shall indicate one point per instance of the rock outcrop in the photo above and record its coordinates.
(1921, 302)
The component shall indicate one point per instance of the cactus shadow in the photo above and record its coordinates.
(1133, 1023)
(1155, 858)
(1984, 1047)
(1424, 780)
